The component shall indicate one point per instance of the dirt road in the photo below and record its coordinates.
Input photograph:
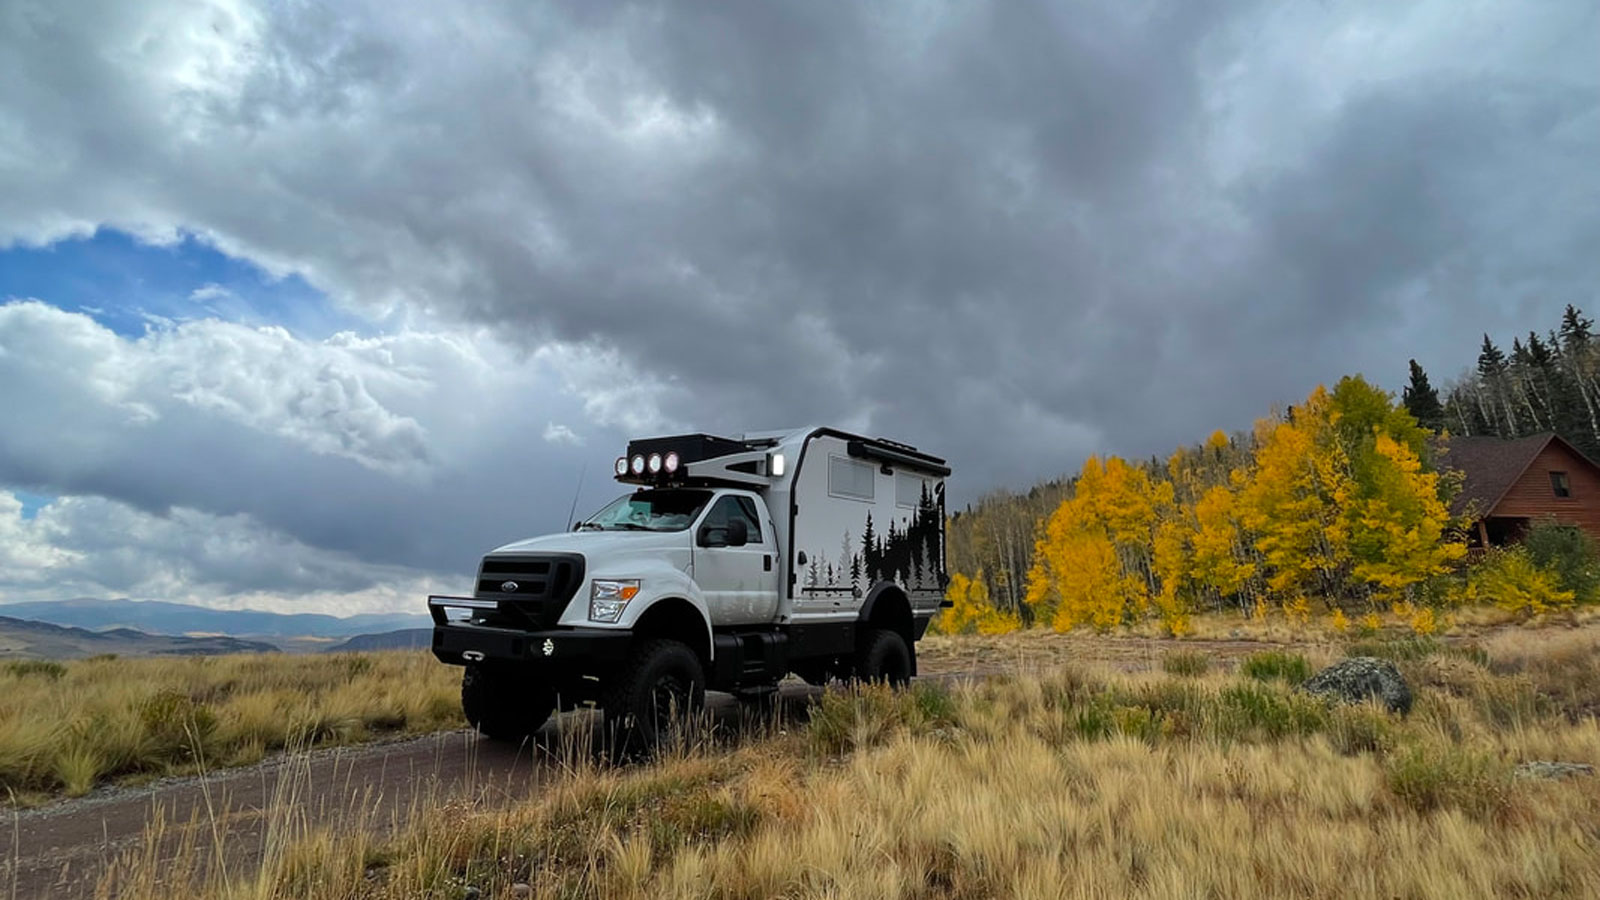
(66, 848)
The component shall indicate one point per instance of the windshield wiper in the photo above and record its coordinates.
(631, 526)
(595, 525)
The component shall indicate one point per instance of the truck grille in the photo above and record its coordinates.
(532, 589)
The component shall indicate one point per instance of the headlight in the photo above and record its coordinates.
(608, 598)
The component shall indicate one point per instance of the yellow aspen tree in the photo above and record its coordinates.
(1397, 522)
(1217, 563)
(971, 611)
(1077, 577)
(1289, 501)
(960, 614)
(1094, 591)
(990, 619)
(1170, 563)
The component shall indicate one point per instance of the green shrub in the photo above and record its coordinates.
(1276, 665)
(42, 668)
(1570, 554)
(1360, 729)
(1510, 579)
(1186, 664)
(178, 728)
(1426, 777)
(1260, 712)
(867, 715)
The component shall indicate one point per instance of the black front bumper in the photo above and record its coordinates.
(461, 644)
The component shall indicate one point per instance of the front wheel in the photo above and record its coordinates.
(504, 704)
(882, 655)
(657, 694)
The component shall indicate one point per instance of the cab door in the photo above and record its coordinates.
(735, 561)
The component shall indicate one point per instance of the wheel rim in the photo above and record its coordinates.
(669, 700)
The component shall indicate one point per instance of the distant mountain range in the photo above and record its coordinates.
(157, 617)
(23, 639)
(404, 639)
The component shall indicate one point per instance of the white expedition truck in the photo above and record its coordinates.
(733, 562)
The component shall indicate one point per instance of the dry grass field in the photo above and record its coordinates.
(67, 727)
(1205, 775)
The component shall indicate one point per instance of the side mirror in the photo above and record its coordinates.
(711, 536)
(738, 533)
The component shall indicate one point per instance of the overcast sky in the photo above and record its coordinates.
(306, 305)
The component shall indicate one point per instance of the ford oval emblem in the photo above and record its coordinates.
(509, 587)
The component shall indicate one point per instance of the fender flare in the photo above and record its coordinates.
(888, 603)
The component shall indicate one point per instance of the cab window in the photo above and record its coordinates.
(733, 507)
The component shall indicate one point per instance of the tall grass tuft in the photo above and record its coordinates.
(1276, 665)
(1186, 663)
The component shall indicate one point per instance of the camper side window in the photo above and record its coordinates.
(908, 489)
(850, 478)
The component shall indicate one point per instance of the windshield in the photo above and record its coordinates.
(656, 510)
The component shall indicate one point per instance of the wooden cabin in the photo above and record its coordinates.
(1508, 485)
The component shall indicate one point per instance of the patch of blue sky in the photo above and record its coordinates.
(32, 503)
(126, 284)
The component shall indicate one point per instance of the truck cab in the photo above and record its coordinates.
(726, 565)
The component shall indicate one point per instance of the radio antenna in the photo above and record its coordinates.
(574, 510)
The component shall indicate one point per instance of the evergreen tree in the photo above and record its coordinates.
(869, 553)
(1493, 396)
(1575, 329)
(1491, 362)
(1577, 367)
(1422, 401)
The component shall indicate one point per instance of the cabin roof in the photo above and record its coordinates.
(1491, 465)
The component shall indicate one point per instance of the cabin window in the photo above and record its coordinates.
(908, 490)
(1558, 484)
(851, 478)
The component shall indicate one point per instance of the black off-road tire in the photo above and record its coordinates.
(657, 696)
(504, 704)
(883, 656)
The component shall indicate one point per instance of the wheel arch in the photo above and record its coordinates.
(680, 620)
(887, 606)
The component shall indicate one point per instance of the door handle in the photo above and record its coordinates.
(766, 562)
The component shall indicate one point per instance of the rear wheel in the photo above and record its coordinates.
(657, 695)
(504, 704)
(882, 655)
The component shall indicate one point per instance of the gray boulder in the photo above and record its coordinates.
(1358, 678)
(1548, 769)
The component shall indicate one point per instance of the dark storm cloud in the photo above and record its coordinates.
(1014, 233)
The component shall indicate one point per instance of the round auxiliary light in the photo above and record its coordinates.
(638, 464)
(671, 462)
(655, 463)
(622, 465)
